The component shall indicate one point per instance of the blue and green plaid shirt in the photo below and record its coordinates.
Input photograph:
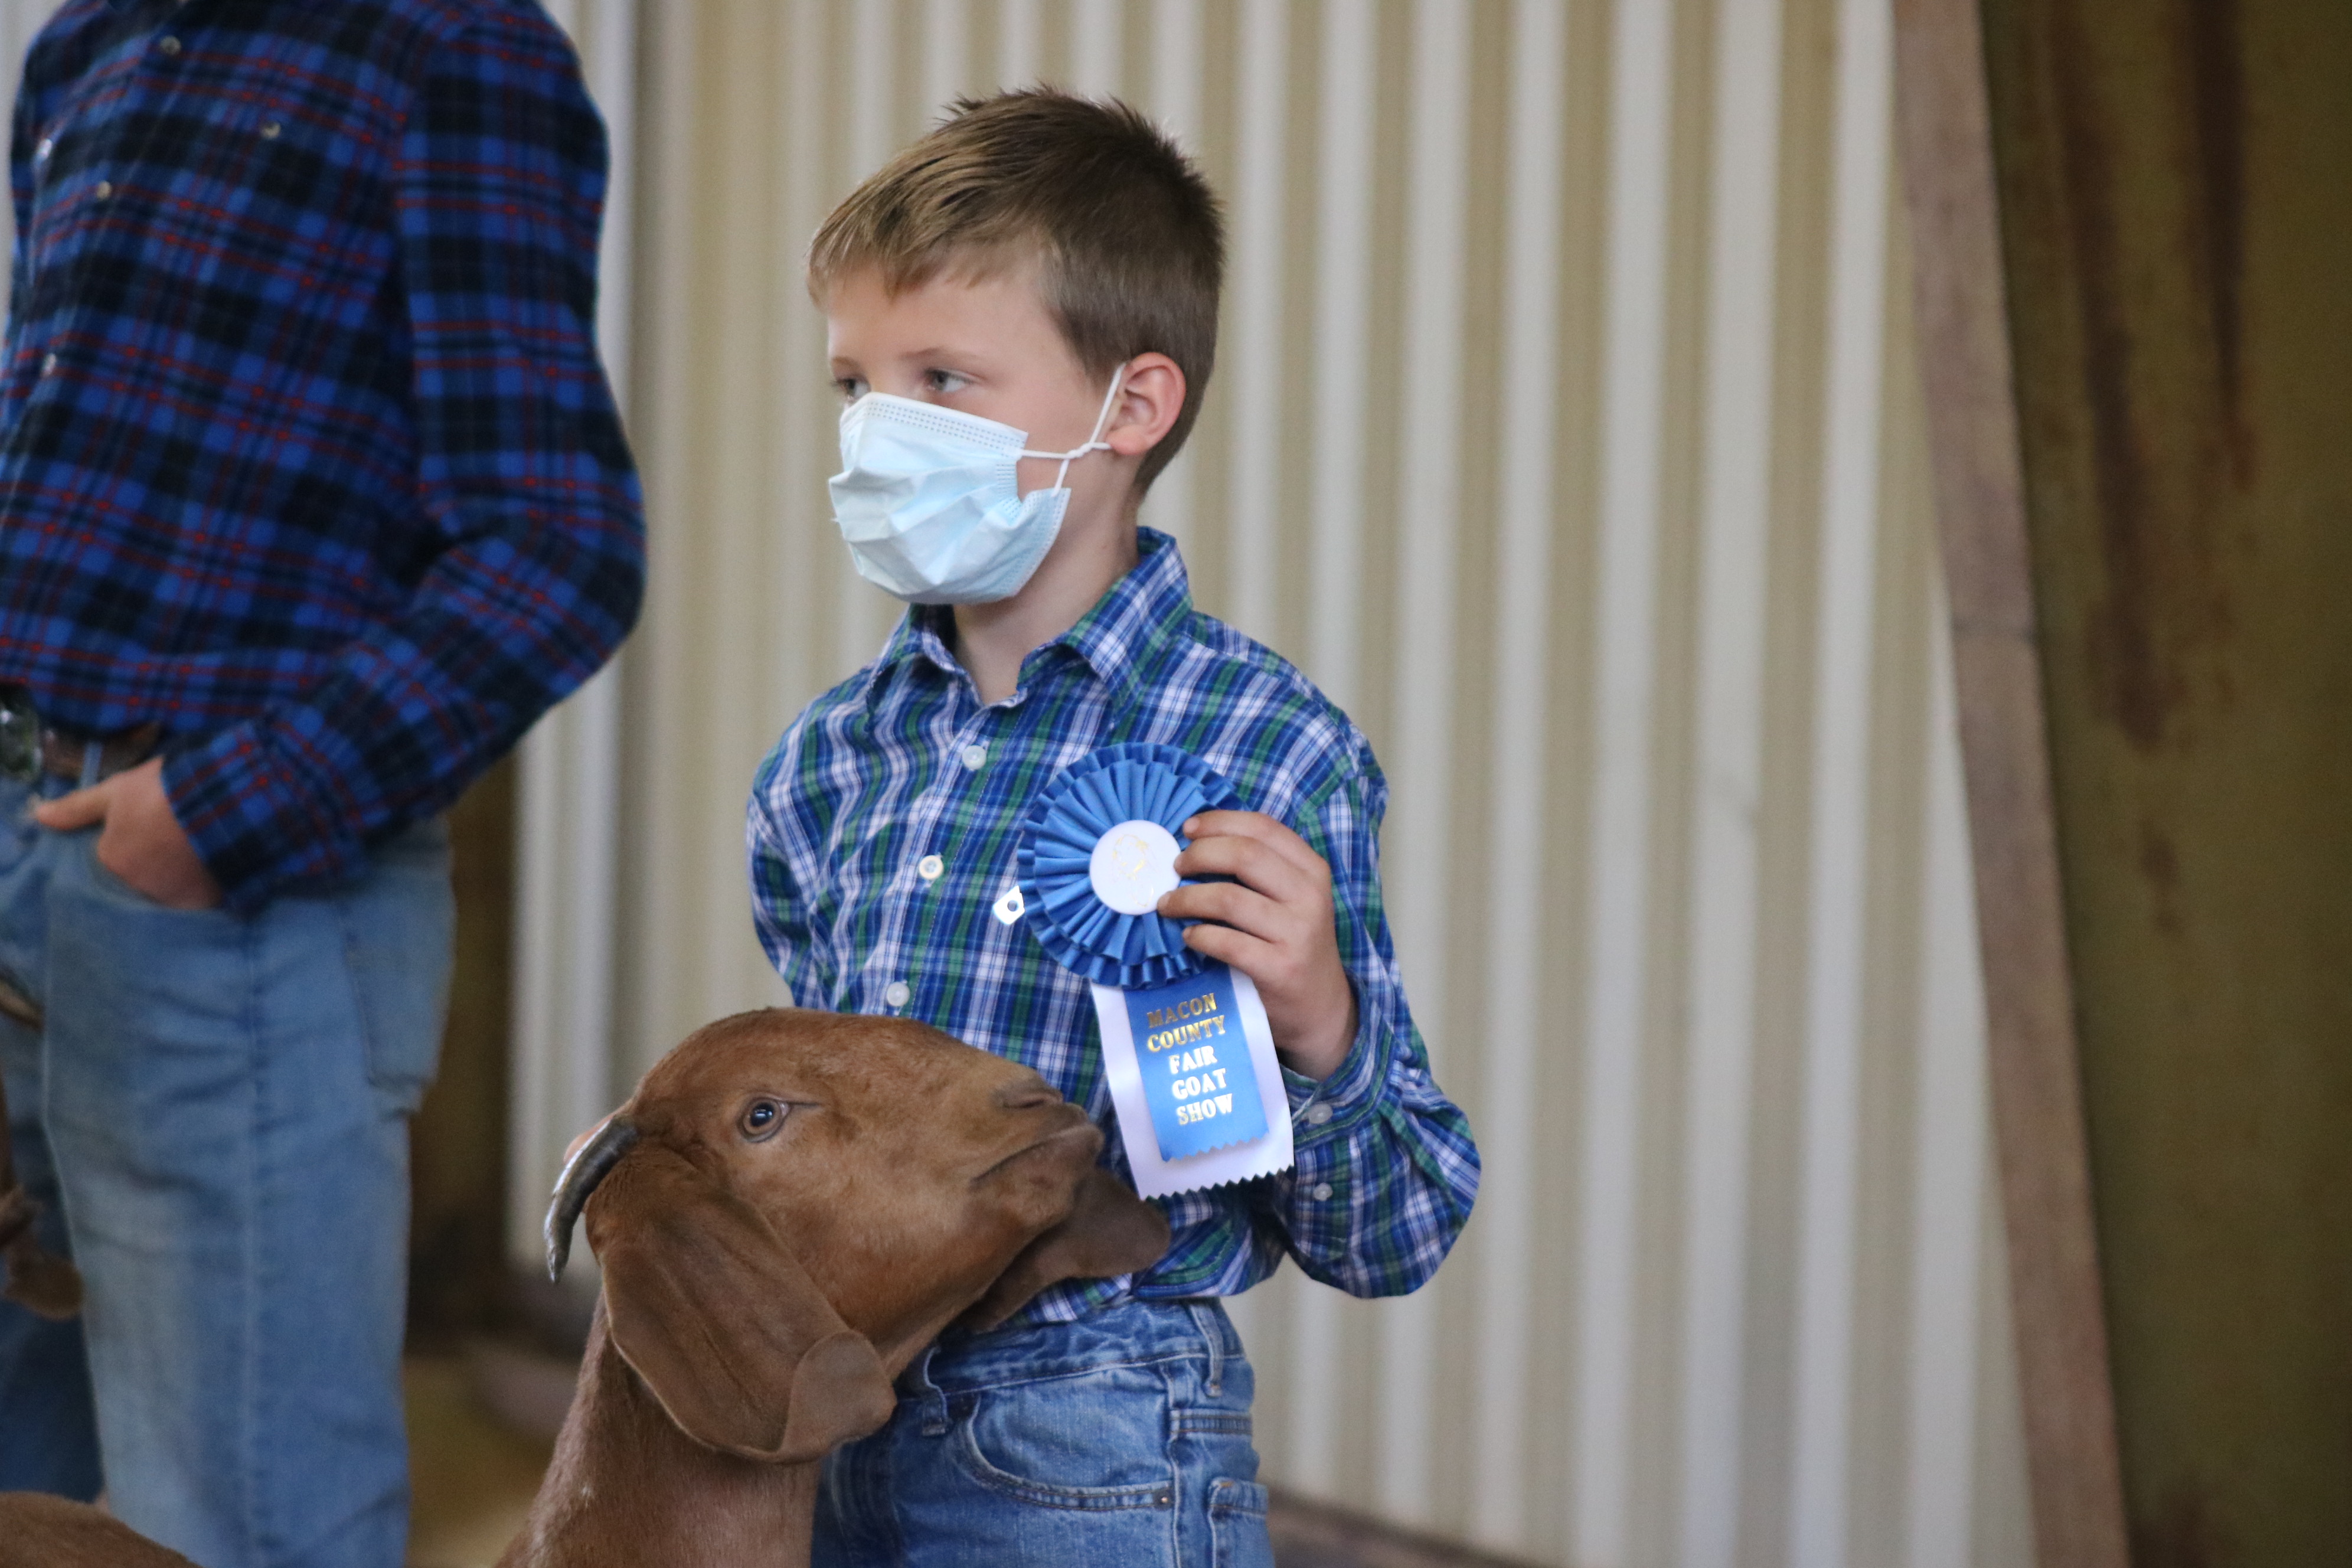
(902, 762)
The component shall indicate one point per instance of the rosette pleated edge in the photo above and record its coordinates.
(1130, 782)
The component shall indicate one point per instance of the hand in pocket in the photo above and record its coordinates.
(139, 837)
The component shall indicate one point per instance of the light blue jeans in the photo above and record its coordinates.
(1121, 1438)
(216, 1117)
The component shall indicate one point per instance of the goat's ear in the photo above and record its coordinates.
(1110, 1231)
(707, 1306)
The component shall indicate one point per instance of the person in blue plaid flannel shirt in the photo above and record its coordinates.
(312, 498)
(1021, 312)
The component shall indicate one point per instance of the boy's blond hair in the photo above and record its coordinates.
(1127, 238)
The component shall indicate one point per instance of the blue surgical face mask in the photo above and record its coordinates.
(929, 504)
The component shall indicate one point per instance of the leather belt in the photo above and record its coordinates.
(64, 755)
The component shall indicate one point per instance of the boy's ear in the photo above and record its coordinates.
(1150, 398)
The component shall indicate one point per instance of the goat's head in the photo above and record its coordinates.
(793, 1203)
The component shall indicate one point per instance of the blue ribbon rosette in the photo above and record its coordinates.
(1131, 782)
(1096, 854)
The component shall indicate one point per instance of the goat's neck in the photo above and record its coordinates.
(627, 1488)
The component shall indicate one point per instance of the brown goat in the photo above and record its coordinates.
(790, 1206)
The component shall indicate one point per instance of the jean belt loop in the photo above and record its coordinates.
(93, 762)
(1204, 1315)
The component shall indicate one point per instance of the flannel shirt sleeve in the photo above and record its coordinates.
(523, 477)
(1386, 1170)
(780, 910)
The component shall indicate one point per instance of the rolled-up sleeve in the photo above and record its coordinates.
(523, 476)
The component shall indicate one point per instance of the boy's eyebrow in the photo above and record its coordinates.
(937, 352)
(975, 363)
(944, 351)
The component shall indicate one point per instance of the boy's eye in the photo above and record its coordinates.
(851, 387)
(944, 382)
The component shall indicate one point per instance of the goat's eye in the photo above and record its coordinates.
(761, 1118)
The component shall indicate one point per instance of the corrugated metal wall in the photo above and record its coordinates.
(1566, 430)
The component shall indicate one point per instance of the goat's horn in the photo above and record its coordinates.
(589, 1164)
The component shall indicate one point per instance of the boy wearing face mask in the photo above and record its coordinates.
(1021, 314)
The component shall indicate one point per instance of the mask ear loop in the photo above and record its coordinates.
(1094, 443)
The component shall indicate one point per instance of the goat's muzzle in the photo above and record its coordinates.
(589, 1164)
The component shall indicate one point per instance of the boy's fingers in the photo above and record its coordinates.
(1256, 864)
(1238, 948)
(70, 813)
(1230, 904)
(1261, 828)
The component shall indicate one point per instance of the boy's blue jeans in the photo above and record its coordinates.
(215, 1118)
(1121, 1438)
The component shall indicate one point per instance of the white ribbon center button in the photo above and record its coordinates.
(1134, 866)
(929, 866)
(973, 758)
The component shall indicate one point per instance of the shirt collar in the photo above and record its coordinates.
(1115, 639)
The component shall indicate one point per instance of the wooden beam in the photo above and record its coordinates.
(1944, 126)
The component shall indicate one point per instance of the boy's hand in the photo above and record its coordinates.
(1276, 925)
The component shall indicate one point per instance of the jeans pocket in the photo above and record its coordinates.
(1237, 1533)
(111, 882)
(397, 922)
(1094, 1441)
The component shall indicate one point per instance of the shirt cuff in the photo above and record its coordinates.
(257, 824)
(1320, 1111)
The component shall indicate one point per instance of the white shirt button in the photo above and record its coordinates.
(49, 364)
(1322, 1193)
(1317, 1114)
(103, 189)
(43, 149)
(270, 130)
(898, 993)
(973, 758)
(168, 45)
(929, 866)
